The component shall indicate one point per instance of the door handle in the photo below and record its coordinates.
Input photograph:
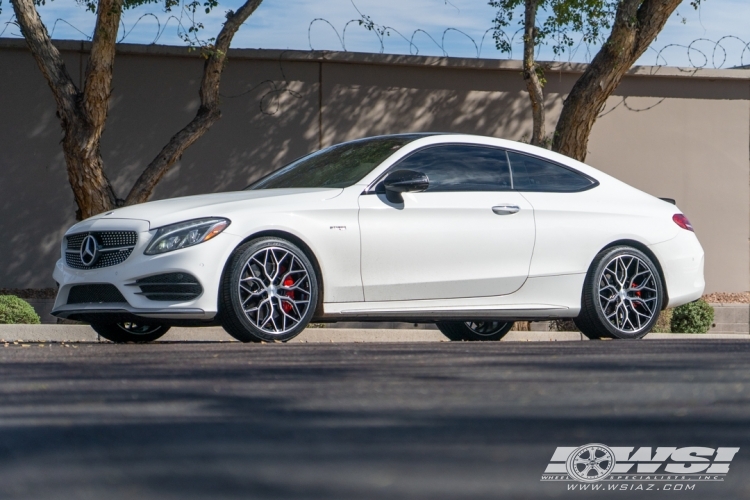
(506, 209)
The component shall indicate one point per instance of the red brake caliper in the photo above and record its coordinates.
(286, 306)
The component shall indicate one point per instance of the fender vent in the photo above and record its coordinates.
(170, 287)
(95, 294)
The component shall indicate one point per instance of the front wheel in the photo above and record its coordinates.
(269, 291)
(474, 330)
(130, 332)
(622, 295)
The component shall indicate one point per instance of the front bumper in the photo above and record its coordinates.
(204, 261)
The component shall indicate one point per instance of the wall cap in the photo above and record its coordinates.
(318, 56)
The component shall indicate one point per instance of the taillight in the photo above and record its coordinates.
(682, 221)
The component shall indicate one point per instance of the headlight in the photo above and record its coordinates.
(185, 234)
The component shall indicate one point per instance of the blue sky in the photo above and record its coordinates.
(291, 24)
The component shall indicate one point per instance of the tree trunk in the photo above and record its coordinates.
(637, 22)
(208, 112)
(91, 189)
(82, 114)
(530, 75)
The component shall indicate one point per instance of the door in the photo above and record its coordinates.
(467, 235)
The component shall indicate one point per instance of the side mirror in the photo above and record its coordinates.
(404, 181)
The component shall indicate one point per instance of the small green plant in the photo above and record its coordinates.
(15, 311)
(695, 317)
(664, 323)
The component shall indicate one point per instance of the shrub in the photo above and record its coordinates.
(695, 317)
(14, 311)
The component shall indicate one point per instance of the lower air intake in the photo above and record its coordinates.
(170, 287)
(95, 294)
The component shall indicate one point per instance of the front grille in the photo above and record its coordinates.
(95, 294)
(170, 287)
(113, 248)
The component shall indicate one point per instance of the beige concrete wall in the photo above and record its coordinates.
(669, 132)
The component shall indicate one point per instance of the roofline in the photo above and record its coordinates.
(318, 56)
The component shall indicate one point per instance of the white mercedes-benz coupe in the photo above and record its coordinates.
(470, 232)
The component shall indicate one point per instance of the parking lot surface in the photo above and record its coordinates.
(357, 421)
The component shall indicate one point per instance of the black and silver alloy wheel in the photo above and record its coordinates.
(274, 290)
(474, 330)
(622, 295)
(627, 293)
(269, 291)
(128, 331)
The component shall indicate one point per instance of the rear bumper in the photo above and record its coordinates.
(682, 262)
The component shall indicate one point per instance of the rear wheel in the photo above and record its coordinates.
(622, 295)
(269, 291)
(130, 332)
(474, 330)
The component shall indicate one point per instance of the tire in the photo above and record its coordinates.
(622, 295)
(123, 332)
(269, 291)
(474, 330)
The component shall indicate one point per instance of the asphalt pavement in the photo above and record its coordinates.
(439, 420)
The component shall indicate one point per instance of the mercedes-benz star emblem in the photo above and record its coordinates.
(89, 251)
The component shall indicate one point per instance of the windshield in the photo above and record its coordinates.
(338, 166)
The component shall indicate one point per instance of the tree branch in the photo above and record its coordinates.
(208, 112)
(100, 68)
(637, 22)
(47, 57)
(530, 75)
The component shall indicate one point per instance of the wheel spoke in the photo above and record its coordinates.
(276, 265)
(295, 308)
(620, 272)
(644, 304)
(249, 290)
(269, 316)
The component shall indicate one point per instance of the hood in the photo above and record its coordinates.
(163, 212)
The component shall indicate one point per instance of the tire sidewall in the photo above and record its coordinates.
(237, 263)
(603, 260)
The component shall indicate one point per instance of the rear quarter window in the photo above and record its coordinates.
(535, 174)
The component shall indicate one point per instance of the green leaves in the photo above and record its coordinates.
(695, 317)
(562, 18)
(14, 311)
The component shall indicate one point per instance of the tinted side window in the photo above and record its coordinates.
(535, 174)
(456, 167)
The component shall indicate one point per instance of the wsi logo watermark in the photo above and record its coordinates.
(592, 463)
